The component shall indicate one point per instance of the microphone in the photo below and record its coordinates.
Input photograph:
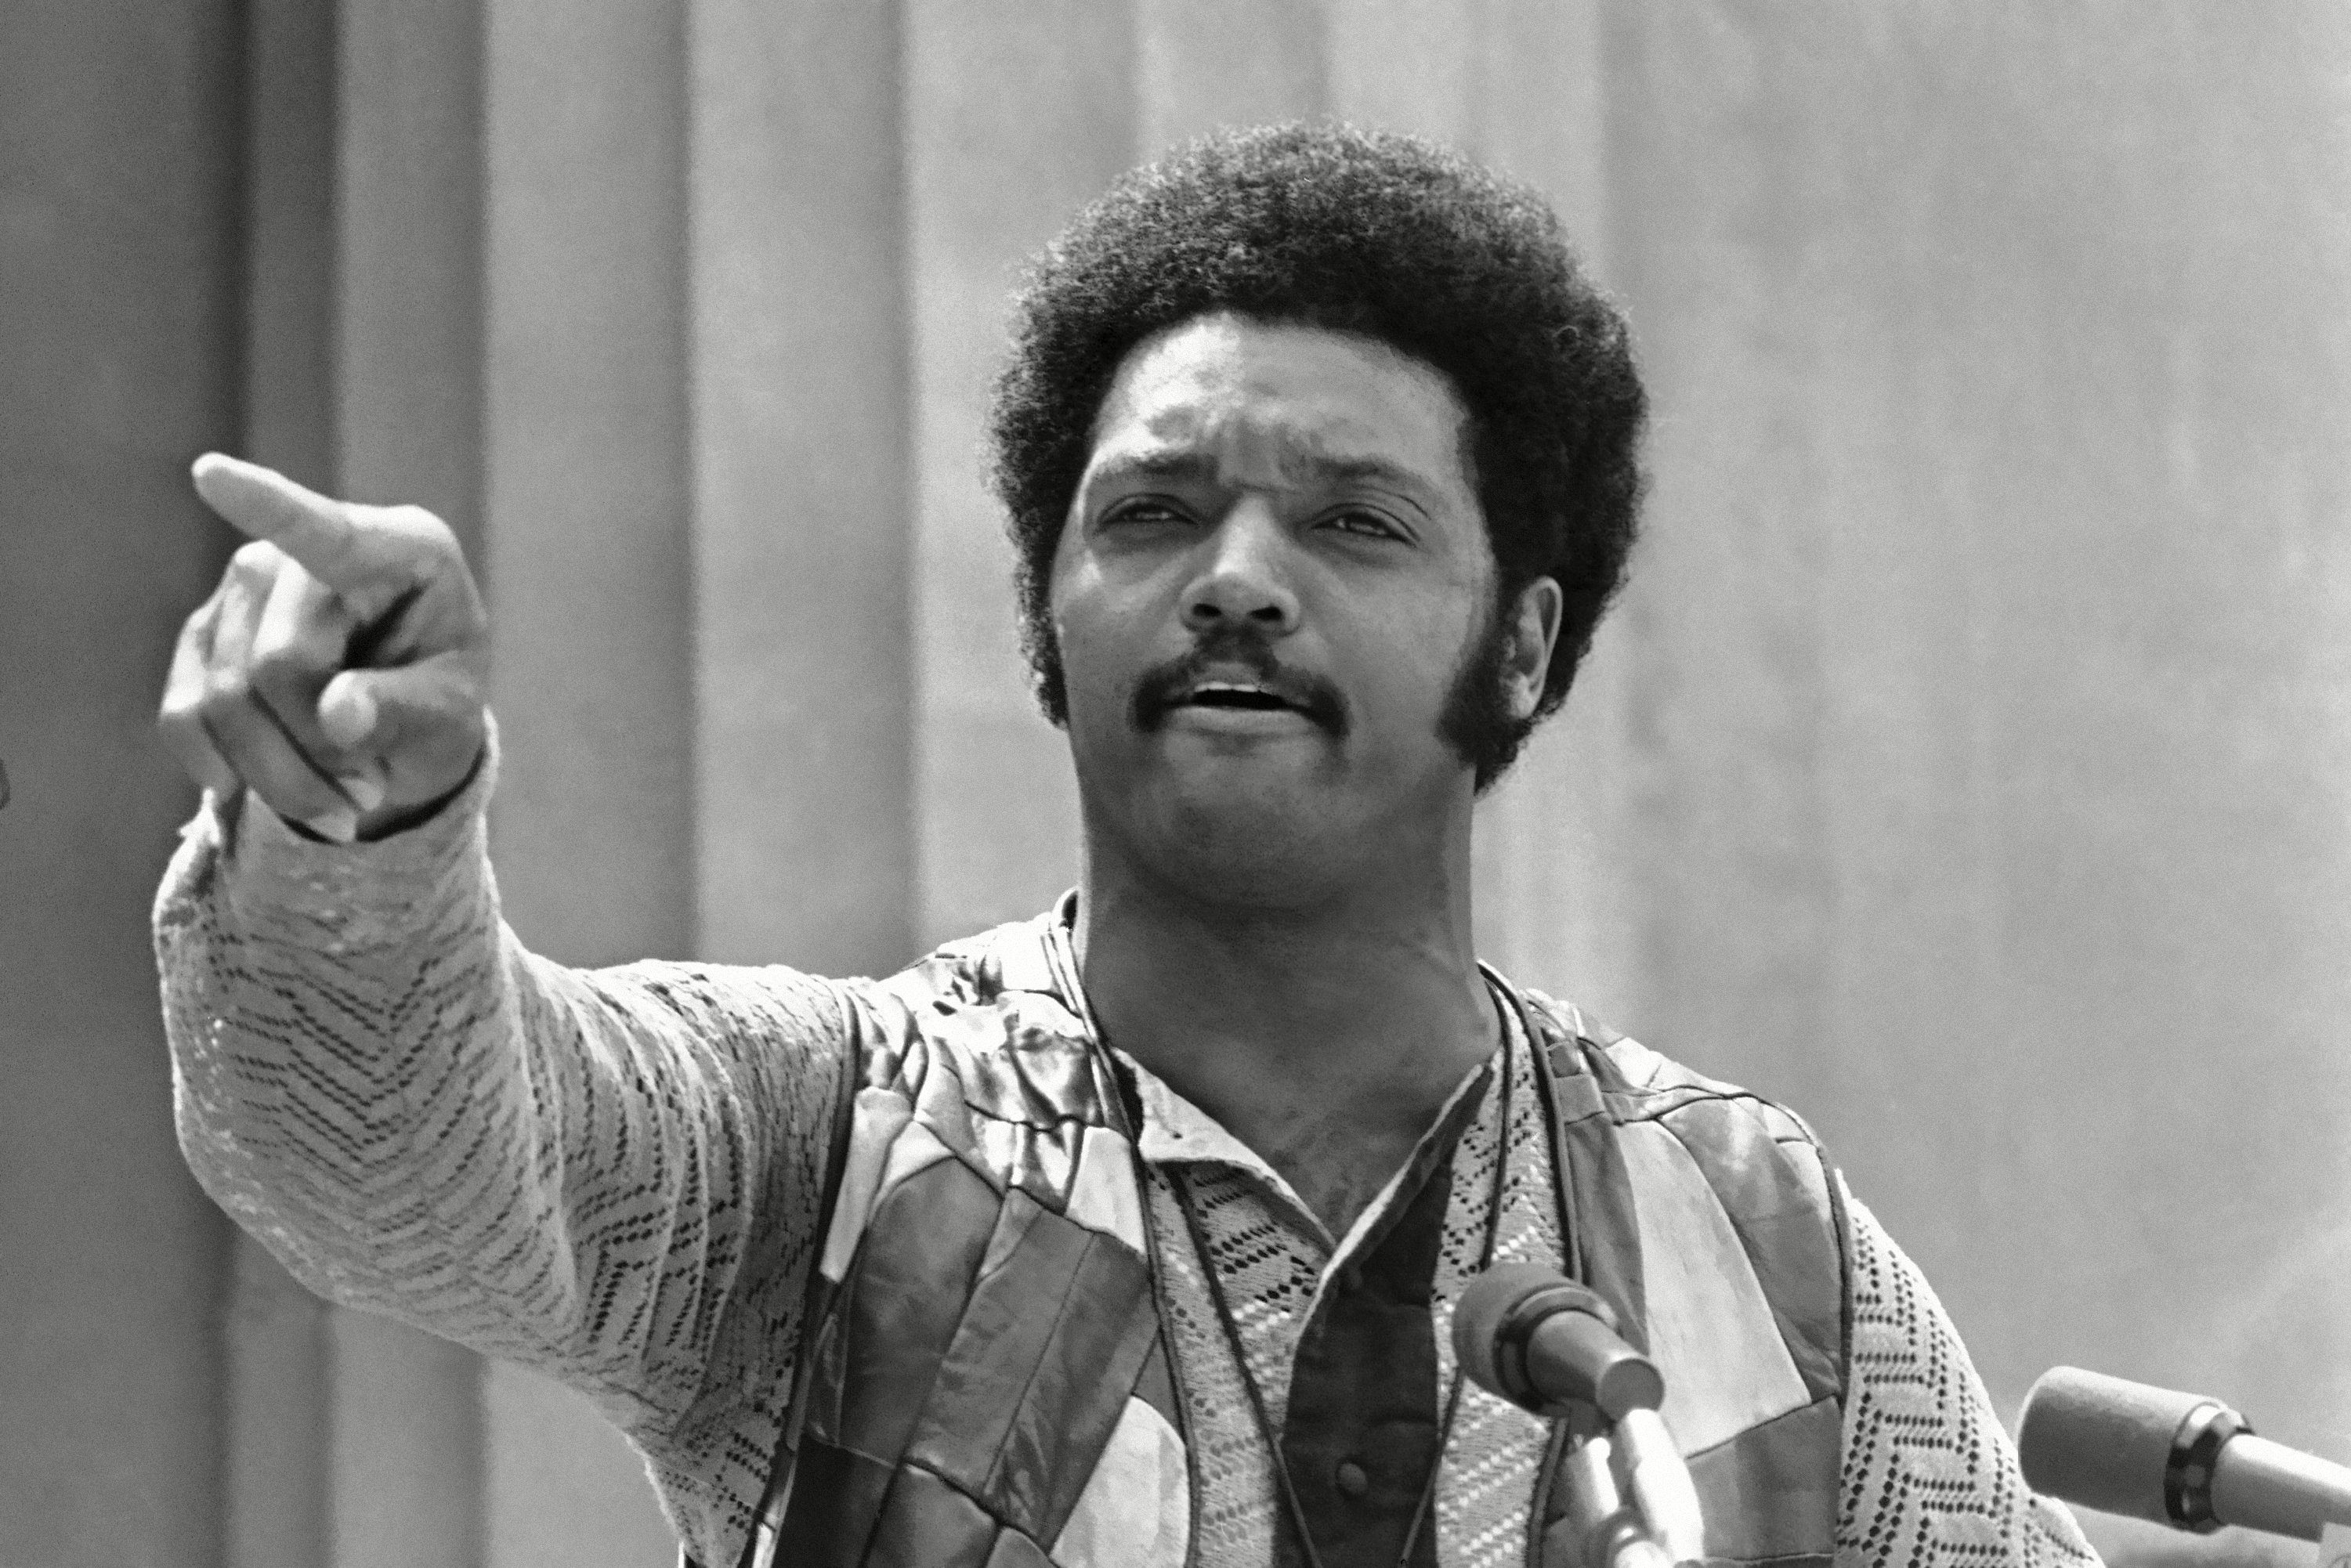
(1545, 1343)
(2179, 1460)
(1532, 1336)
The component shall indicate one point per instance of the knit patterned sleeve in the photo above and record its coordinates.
(611, 1176)
(1930, 1478)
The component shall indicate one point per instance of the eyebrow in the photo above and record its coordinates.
(1198, 468)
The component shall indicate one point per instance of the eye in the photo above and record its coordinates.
(1145, 510)
(1364, 522)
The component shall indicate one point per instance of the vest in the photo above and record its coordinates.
(984, 1379)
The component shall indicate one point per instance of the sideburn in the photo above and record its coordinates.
(1476, 722)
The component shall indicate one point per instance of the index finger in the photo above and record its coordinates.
(315, 529)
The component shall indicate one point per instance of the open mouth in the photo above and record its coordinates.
(1255, 699)
(1224, 679)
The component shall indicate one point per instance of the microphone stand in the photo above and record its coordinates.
(1531, 1335)
(1630, 1504)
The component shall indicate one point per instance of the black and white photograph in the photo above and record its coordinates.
(1174, 784)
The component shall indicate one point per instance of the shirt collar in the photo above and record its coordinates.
(1176, 1132)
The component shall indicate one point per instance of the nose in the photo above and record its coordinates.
(1242, 577)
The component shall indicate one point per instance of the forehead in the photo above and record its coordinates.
(1280, 402)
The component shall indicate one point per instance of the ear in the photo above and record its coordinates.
(1533, 631)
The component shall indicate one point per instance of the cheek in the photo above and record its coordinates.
(1407, 666)
(1086, 630)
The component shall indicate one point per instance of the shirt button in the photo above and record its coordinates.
(1351, 1479)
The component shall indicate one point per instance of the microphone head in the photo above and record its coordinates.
(2105, 1442)
(1535, 1337)
(1484, 1308)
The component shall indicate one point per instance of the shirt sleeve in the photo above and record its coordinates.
(613, 1176)
(1929, 1474)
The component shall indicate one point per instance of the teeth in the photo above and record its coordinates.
(1234, 694)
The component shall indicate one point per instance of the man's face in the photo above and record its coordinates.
(1272, 572)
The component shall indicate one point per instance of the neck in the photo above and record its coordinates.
(1325, 1037)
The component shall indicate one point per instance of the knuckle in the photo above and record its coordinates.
(226, 687)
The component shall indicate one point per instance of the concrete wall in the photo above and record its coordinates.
(2058, 737)
(1967, 764)
(119, 352)
(1982, 714)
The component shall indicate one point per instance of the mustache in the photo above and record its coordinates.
(1163, 685)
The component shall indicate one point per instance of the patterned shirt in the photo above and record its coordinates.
(614, 1176)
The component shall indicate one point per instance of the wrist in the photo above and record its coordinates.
(385, 821)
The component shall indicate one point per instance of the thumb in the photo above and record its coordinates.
(422, 723)
(347, 711)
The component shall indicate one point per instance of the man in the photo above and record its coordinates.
(1132, 1233)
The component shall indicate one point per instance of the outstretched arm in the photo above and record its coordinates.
(583, 1171)
(613, 1176)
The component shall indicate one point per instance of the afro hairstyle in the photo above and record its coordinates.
(1366, 231)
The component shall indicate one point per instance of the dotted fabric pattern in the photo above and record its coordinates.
(1488, 1479)
(1271, 1259)
(1929, 1476)
(614, 1177)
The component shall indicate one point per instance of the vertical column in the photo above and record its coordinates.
(587, 497)
(293, 138)
(802, 487)
(119, 148)
(587, 537)
(352, 1439)
(277, 1416)
(408, 321)
(1017, 113)
(404, 422)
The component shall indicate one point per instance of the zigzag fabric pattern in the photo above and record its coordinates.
(1930, 1478)
(614, 1177)
(609, 1177)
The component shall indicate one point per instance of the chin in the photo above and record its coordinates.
(1262, 838)
(1251, 823)
(1246, 866)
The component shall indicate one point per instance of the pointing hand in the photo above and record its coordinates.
(337, 671)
